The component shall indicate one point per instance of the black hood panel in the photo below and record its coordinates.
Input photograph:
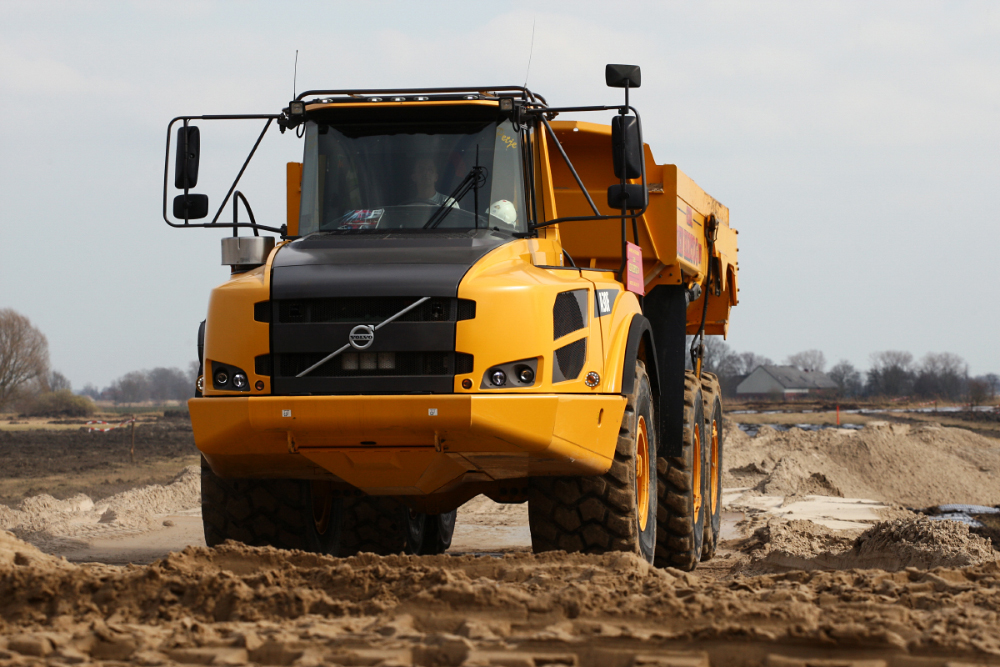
(377, 264)
(321, 275)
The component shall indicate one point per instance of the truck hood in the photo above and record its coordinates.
(379, 264)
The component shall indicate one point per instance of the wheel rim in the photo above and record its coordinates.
(642, 473)
(714, 475)
(696, 476)
(322, 505)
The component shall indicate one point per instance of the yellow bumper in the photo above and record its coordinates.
(405, 445)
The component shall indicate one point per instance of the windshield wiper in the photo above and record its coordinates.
(476, 178)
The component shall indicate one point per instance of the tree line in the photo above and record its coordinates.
(30, 386)
(891, 374)
(156, 385)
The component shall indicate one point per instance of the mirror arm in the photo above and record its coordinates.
(242, 169)
(569, 164)
(642, 165)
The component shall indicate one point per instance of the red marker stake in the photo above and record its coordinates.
(838, 414)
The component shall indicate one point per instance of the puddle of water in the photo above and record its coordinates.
(973, 515)
(753, 429)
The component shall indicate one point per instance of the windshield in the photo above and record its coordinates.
(364, 174)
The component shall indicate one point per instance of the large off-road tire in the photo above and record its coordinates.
(615, 511)
(681, 515)
(438, 531)
(282, 513)
(712, 401)
(381, 525)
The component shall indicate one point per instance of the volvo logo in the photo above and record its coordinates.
(361, 336)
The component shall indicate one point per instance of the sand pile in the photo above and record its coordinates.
(42, 517)
(920, 542)
(914, 541)
(235, 604)
(894, 463)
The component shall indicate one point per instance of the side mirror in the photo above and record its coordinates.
(625, 147)
(190, 206)
(622, 76)
(631, 195)
(188, 152)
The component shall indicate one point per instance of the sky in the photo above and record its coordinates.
(856, 145)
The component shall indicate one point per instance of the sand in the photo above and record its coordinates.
(824, 562)
(896, 463)
(236, 604)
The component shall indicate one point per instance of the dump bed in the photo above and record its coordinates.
(671, 233)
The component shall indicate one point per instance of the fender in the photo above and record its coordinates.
(640, 334)
(639, 331)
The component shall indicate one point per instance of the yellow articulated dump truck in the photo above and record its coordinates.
(469, 296)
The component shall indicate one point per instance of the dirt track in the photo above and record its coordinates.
(931, 590)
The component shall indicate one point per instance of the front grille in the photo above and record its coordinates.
(375, 364)
(372, 310)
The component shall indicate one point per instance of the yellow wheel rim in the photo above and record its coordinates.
(696, 472)
(642, 473)
(714, 476)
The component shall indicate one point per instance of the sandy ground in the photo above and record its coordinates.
(822, 558)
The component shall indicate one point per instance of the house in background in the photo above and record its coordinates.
(785, 383)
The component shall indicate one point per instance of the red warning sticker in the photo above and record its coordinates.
(633, 269)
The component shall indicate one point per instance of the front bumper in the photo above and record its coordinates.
(408, 445)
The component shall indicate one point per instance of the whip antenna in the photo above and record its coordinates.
(530, 51)
(295, 73)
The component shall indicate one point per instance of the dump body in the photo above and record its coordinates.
(671, 232)
(440, 432)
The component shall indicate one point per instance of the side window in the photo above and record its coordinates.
(507, 205)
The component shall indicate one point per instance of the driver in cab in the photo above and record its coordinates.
(424, 177)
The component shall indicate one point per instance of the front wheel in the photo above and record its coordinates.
(615, 511)
(281, 513)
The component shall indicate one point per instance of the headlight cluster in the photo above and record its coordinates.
(511, 375)
(229, 378)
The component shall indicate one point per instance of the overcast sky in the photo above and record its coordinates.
(855, 143)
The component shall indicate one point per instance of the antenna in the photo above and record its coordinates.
(530, 51)
(295, 74)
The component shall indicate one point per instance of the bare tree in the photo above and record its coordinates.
(748, 362)
(992, 381)
(24, 354)
(807, 360)
(56, 381)
(847, 377)
(941, 375)
(891, 373)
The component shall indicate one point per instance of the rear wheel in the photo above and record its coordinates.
(282, 513)
(381, 525)
(681, 515)
(438, 531)
(615, 511)
(712, 396)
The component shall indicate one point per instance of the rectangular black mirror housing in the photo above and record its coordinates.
(625, 130)
(188, 152)
(617, 76)
(634, 196)
(190, 206)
